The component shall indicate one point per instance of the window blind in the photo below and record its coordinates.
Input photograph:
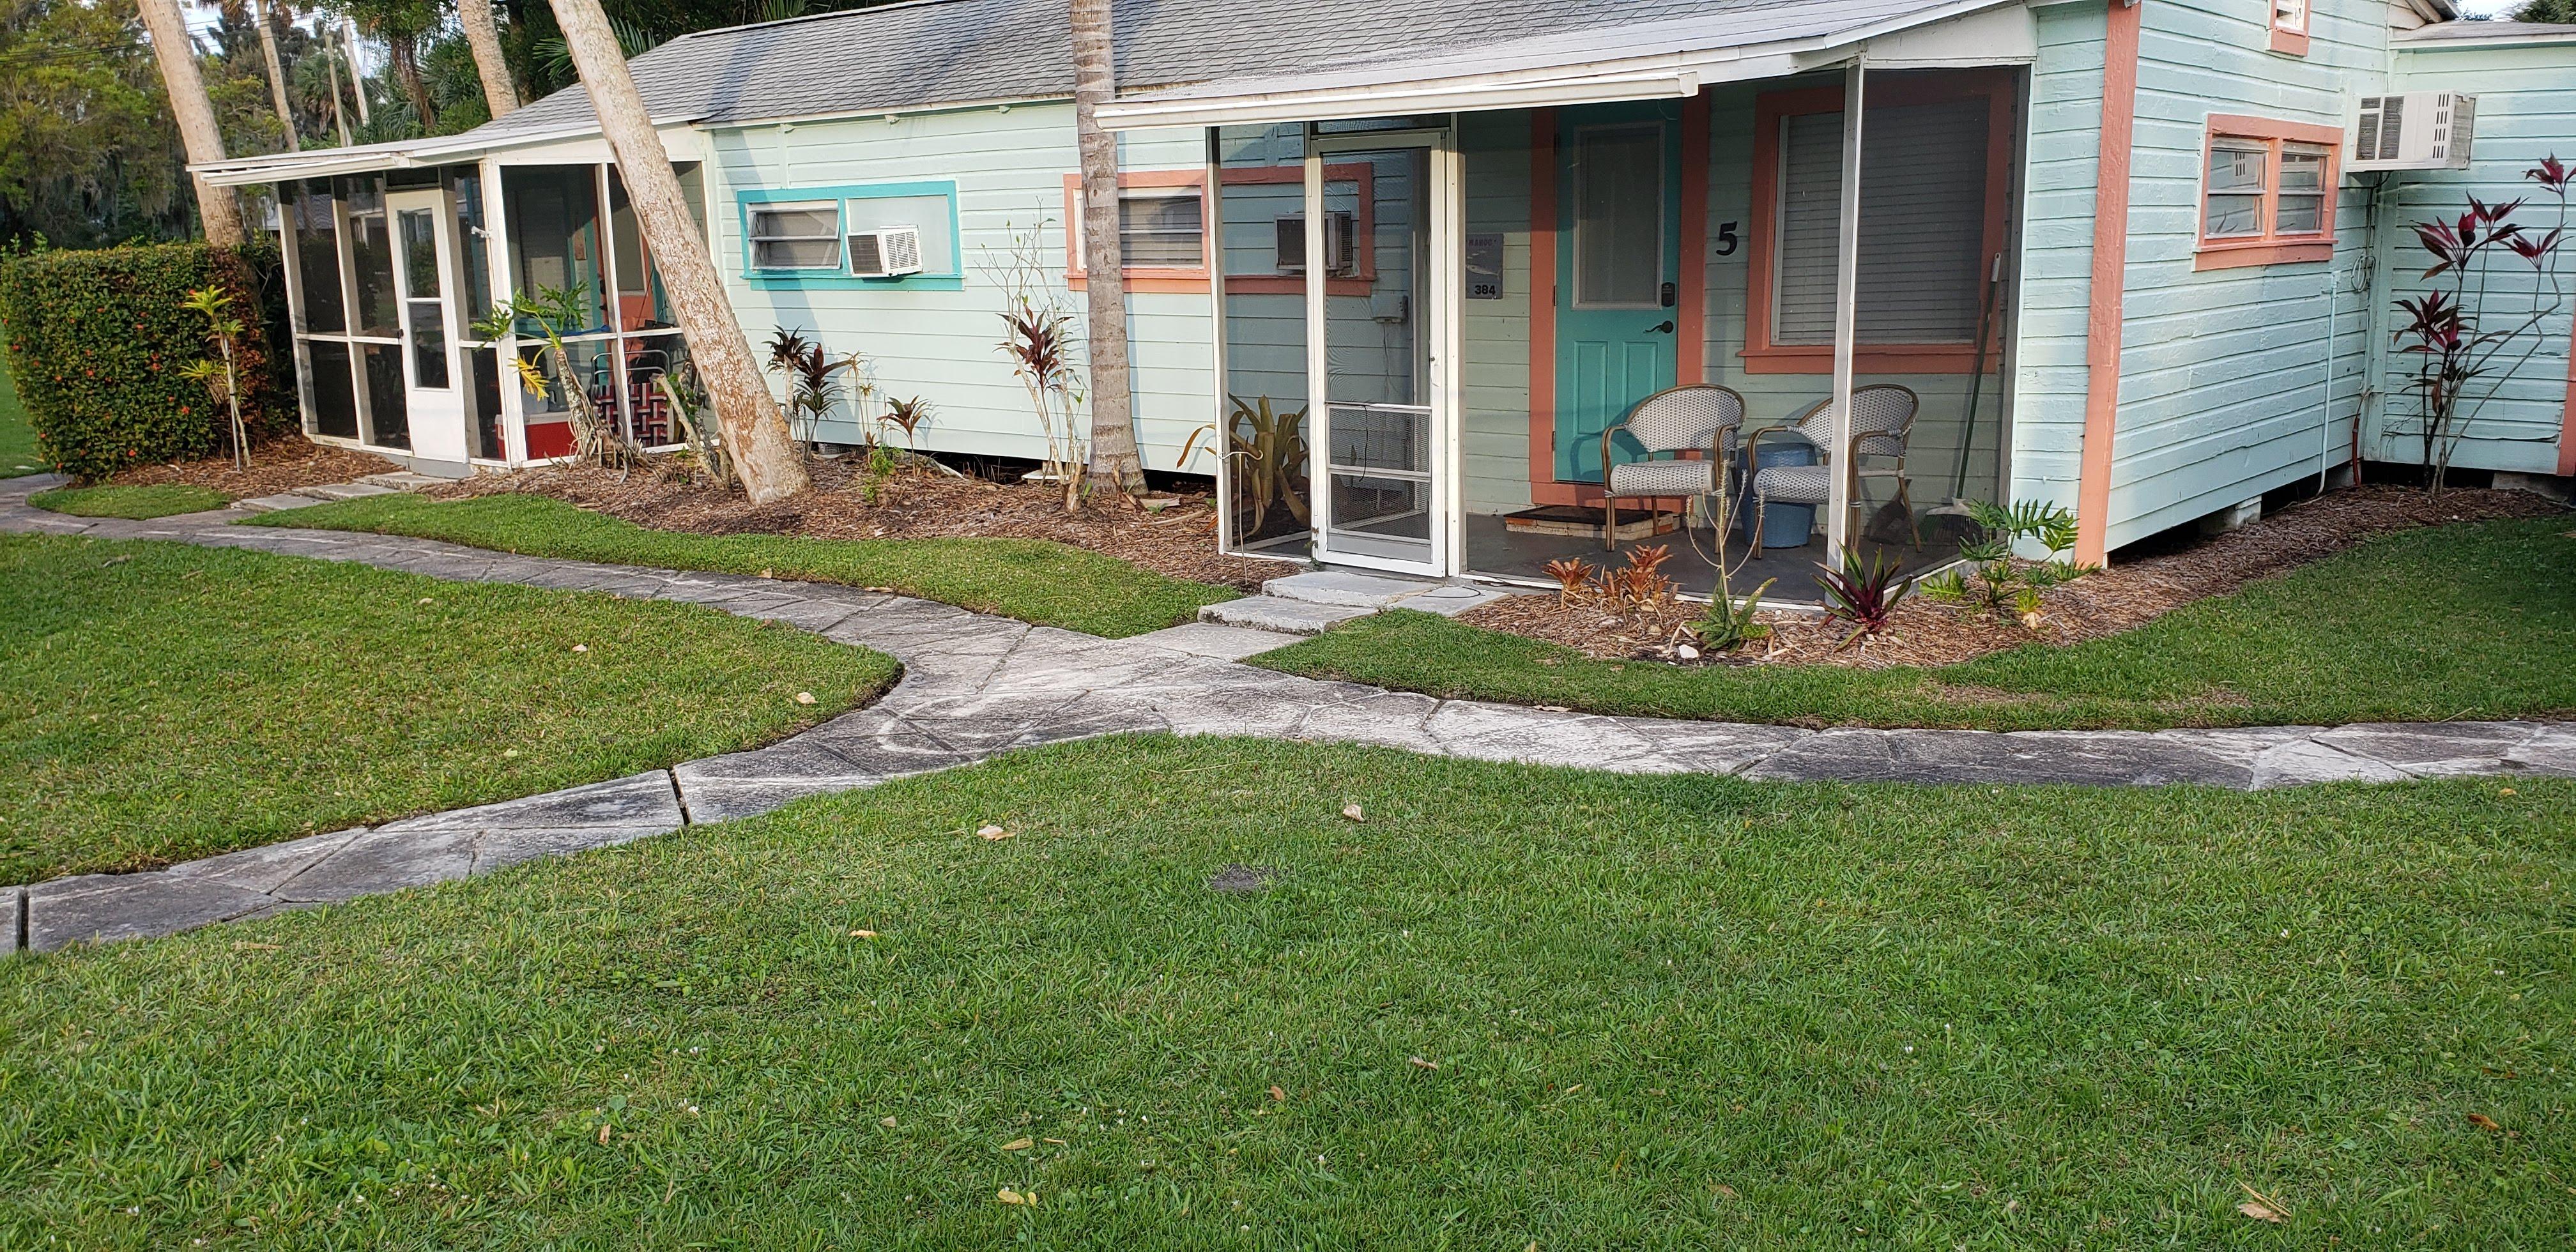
(1922, 224)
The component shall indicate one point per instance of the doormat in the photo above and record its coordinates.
(1584, 520)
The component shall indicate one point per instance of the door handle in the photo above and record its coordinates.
(1664, 327)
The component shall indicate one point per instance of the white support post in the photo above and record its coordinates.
(1846, 298)
(1226, 539)
(1319, 415)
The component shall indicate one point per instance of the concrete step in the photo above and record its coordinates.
(1225, 643)
(403, 480)
(1379, 591)
(1284, 616)
(271, 504)
(347, 491)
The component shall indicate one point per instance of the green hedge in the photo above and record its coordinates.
(97, 340)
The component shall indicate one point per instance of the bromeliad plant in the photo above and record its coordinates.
(554, 312)
(221, 379)
(2453, 334)
(1268, 449)
(1864, 595)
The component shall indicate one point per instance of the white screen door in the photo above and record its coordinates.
(424, 266)
(1381, 346)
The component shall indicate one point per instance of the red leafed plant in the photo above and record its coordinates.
(1576, 581)
(2451, 332)
(1864, 595)
(1642, 583)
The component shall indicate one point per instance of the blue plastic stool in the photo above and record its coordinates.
(1783, 525)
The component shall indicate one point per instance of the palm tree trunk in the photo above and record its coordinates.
(216, 207)
(276, 74)
(771, 466)
(1114, 465)
(357, 76)
(331, 66)
(483, 37)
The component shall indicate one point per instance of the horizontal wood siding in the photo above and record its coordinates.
(2056, 253)
(2526, 110)
(2225, 373)
(1009, 168)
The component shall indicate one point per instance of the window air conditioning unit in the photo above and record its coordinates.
(2420, 130)
(886, 252)
(1339, 251)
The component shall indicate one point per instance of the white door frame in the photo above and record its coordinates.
(437, 414)
(1442, 336)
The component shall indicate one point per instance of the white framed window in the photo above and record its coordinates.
(2290, 16)
(2299, 198)
(798, 236)
(2232, 195)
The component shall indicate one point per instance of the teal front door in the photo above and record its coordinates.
(1618, 269)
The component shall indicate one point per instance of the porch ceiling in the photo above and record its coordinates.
(1646, 60)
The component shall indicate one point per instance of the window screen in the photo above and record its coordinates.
(796, 237)
(1922, 224)
(1162, 229)
(2302, 196)
(1619, 217)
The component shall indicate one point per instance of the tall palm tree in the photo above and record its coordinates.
(483, 38)
(261, 14)
(217, 209)
(755, 433)
(1114, 464)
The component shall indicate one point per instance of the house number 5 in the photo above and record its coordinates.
(1726, 239)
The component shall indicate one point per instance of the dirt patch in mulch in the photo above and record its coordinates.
(280, 465)
(2123, 597)
(916, 503)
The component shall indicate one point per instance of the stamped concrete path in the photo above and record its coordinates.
(976, 685)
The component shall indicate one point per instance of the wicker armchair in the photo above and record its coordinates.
(1697, 418)
(1882, 420)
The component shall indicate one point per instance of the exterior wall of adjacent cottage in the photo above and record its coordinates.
(2059, 161)
(2241, 378)
(936, 335)
(2526, 110)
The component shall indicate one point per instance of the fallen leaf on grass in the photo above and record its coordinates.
(1353, 812)
(1061, 1143)
(885, 1121)
(1419, 1063)
(603, 1132)
(804, 697)
(1726, 1191)
(1021, 1144)
(1277, 1094)
(1008, 1196)
(994, 832)
(244, 945)
(863, 934)
(2261, 1207)
(2479, 1120)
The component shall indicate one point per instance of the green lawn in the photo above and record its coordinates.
(2449, 622)
(1033, 580)
(18, 452)
(1664, 1012)
(133, 503)
(169, 702)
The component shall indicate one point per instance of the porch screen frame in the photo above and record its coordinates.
(1444, 343)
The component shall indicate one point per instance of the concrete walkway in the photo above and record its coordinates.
(975, 686)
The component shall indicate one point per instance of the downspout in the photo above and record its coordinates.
(2109, 280)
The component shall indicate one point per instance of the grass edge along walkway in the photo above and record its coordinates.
(1033, 580)
(1660, 1012)
(131, 503)
(2458, 622)
(176, 701)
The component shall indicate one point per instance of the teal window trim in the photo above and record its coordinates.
(953, 280)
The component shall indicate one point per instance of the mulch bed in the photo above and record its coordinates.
(275, 466)
(916, 503)
(2123, 597)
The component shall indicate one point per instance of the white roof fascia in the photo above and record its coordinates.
(401, 154)
(2536, 39)
(1384, 90)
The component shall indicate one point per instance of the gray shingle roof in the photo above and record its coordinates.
(940, 51)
